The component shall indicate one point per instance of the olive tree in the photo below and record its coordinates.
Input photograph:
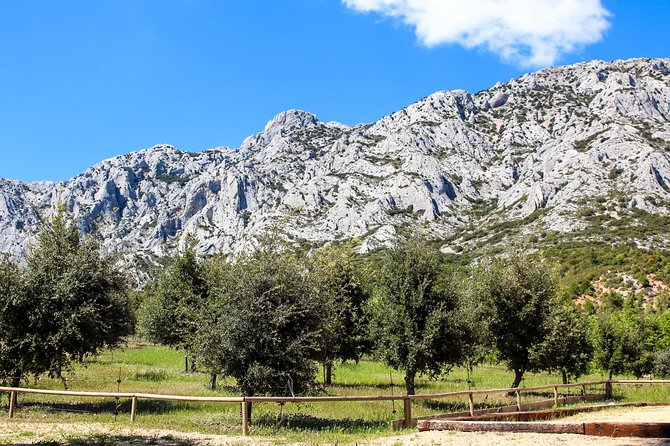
(169, 311)
(337, 285)
(619, 343)
(15, 359)
(416, 323)
(517, 292)
(74, 301)
(566, 347)
(260, 325)
(473, 312)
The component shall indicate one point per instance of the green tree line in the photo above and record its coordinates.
(267, 318)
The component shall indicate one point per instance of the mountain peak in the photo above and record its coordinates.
(572, 146)
(285, 122)
(291, 119)
(288, 121)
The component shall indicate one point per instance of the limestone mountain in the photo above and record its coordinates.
(580, 150)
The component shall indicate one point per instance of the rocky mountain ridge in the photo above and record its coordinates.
(544, 153)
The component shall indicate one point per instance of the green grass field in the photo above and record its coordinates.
(154, 369)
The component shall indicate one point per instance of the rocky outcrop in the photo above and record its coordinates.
(548, 141)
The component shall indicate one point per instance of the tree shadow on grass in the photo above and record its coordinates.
(111, 407)
(311, 423)
(443, 405)
(398, 388)
(114, 440)
(543, 394)
(452, 406)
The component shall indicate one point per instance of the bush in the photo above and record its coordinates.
(662, 364)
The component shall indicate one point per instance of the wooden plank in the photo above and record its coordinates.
(555, 395)
(133, 409)
(213, 399)
(507, 390)
(284, 399)
(518, 400)
(12, 403)
(511, 410)
(534, 415)
(195, 399)
(600, 429)
(641, 381)
(245, 419)
(407, 412)
(644, 430)
(316, 399)
(66, 392)
(501, 426)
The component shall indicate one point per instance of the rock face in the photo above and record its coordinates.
(535, 149)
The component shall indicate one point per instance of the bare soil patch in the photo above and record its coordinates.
(508, 439)
(25, 433)
(651, 414)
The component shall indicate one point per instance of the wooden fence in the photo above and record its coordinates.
(407, 421)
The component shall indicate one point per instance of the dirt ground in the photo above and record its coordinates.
(641, 414)
(21, 433)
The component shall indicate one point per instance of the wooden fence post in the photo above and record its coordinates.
(406, 422)
(12, 403)
(518, 400)
(133, 409)
(245, 420)
(555, 395)
(407, 411)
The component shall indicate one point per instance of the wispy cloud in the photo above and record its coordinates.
(531, 33)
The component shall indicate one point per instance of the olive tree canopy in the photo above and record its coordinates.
(416, 325)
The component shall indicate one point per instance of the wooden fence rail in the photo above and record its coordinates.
(243, 401)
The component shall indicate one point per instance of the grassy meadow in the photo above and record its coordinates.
(142, 367)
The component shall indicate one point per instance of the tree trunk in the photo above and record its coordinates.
(16, 382)
(193, 366)
(409, 381)
(212, 381)
(610, 375)
(329, 373)
(249, 412)
(565, 376)
(186, 364)
(518, 376)
(59, 364)
(251, 393)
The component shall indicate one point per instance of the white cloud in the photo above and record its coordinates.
(527, 32)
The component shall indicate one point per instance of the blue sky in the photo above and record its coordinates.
(81, 81)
